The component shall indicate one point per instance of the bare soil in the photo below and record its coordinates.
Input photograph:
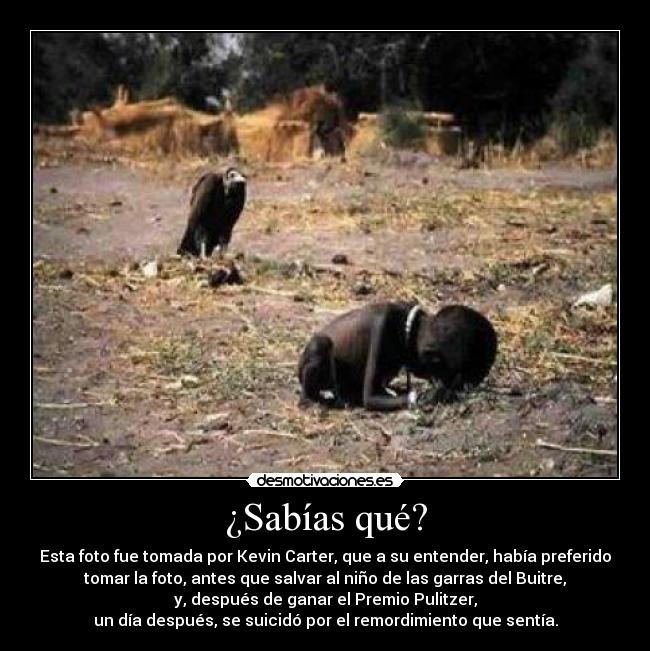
(165, 376)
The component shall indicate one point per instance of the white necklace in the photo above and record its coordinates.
(410, 319)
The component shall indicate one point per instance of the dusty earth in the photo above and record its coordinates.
(166, 376)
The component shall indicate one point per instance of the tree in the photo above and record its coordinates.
(69, 70)
(78, 70)
(590, 86)
(498, 84)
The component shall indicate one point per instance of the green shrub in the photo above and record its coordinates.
(402, 128)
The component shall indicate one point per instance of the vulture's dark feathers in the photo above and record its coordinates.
(215, 206)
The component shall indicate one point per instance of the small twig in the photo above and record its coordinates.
(558, 252)
(605, 399)
(502, 391)
(521, 369)
(90, 281)
(64, 442)
(44, 369)
(581, 358)
(168, 449)
(393, 273)
(327, 269)
(39, 466)
(540, 443)
(271, 432)
(70, 405)
(540, 269)
(259, 290)
(54, 288)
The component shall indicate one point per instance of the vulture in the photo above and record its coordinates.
(216, 202)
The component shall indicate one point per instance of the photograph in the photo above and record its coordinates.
(325, 252)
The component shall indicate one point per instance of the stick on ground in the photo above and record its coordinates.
(540, 443)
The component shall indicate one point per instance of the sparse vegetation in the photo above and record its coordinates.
(574, 131)
(183, 379)
(402, 128)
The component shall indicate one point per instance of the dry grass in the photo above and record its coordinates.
(282, 130)
(548, 149)
(176, 353)
(542, 338)
(150, 129)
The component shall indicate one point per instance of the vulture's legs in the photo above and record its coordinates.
(200, 241)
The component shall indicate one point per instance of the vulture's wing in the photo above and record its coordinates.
(196, 185)
(207, 194)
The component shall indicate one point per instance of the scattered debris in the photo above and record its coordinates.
(218, 277)
(216, 421)
(548, 465)
(149, 269)
(225, 276)
(363, 289)
(236, 348)
(190, 381)
(602, 296)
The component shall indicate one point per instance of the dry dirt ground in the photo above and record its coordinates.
(166, 376)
